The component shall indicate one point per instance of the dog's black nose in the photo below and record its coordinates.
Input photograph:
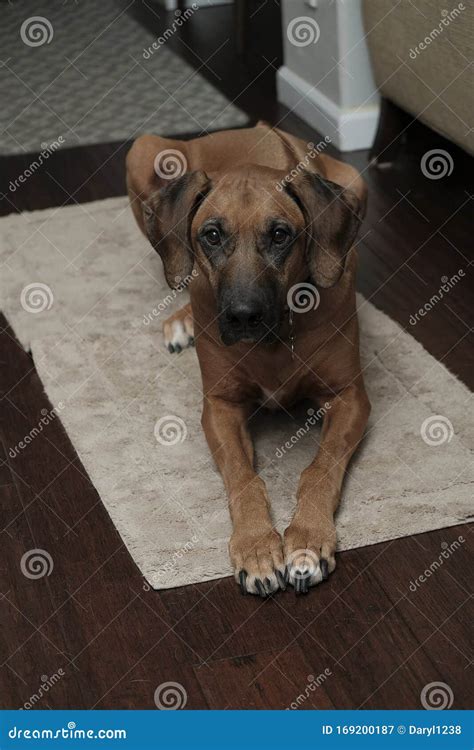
(245, 315)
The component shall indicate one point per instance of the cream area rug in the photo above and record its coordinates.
(84, 290)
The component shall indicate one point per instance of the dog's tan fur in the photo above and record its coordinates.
(243, 166)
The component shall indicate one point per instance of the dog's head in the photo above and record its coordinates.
(254, 236)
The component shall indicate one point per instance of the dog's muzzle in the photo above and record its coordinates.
(246, 317)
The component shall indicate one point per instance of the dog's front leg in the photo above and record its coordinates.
(310, 539)
(255, 546)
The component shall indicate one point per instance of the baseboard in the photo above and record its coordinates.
(348, 129)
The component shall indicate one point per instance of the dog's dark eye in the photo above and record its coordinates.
(280, 236)
(213, 237)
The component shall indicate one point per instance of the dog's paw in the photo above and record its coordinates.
(309, 555)
(258, 562)
(178, 331)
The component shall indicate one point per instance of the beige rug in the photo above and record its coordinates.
(82, 287)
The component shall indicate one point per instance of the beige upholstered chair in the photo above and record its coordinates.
(422, 55)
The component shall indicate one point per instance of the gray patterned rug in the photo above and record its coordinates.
(85, 290)
(88, 72)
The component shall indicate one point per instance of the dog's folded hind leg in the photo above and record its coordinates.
(178, 330)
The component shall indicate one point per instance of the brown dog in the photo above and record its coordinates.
(269, 232)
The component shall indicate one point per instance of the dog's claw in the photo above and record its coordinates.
(242, 580)
(301, 582)
(171, 348)
(323, 564)
(281, 580)
(297, 583)
(268, 586)
(260, 588)
(178, 349)
(191, 341)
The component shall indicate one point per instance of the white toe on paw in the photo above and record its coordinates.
(176, 336)
(307, 568)
(262, 587)
(311, 574)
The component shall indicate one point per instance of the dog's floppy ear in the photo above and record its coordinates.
(167, 216)
(333, 216)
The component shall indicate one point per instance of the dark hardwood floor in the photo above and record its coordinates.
(94, 622)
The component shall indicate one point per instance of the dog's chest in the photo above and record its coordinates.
(274, 399)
